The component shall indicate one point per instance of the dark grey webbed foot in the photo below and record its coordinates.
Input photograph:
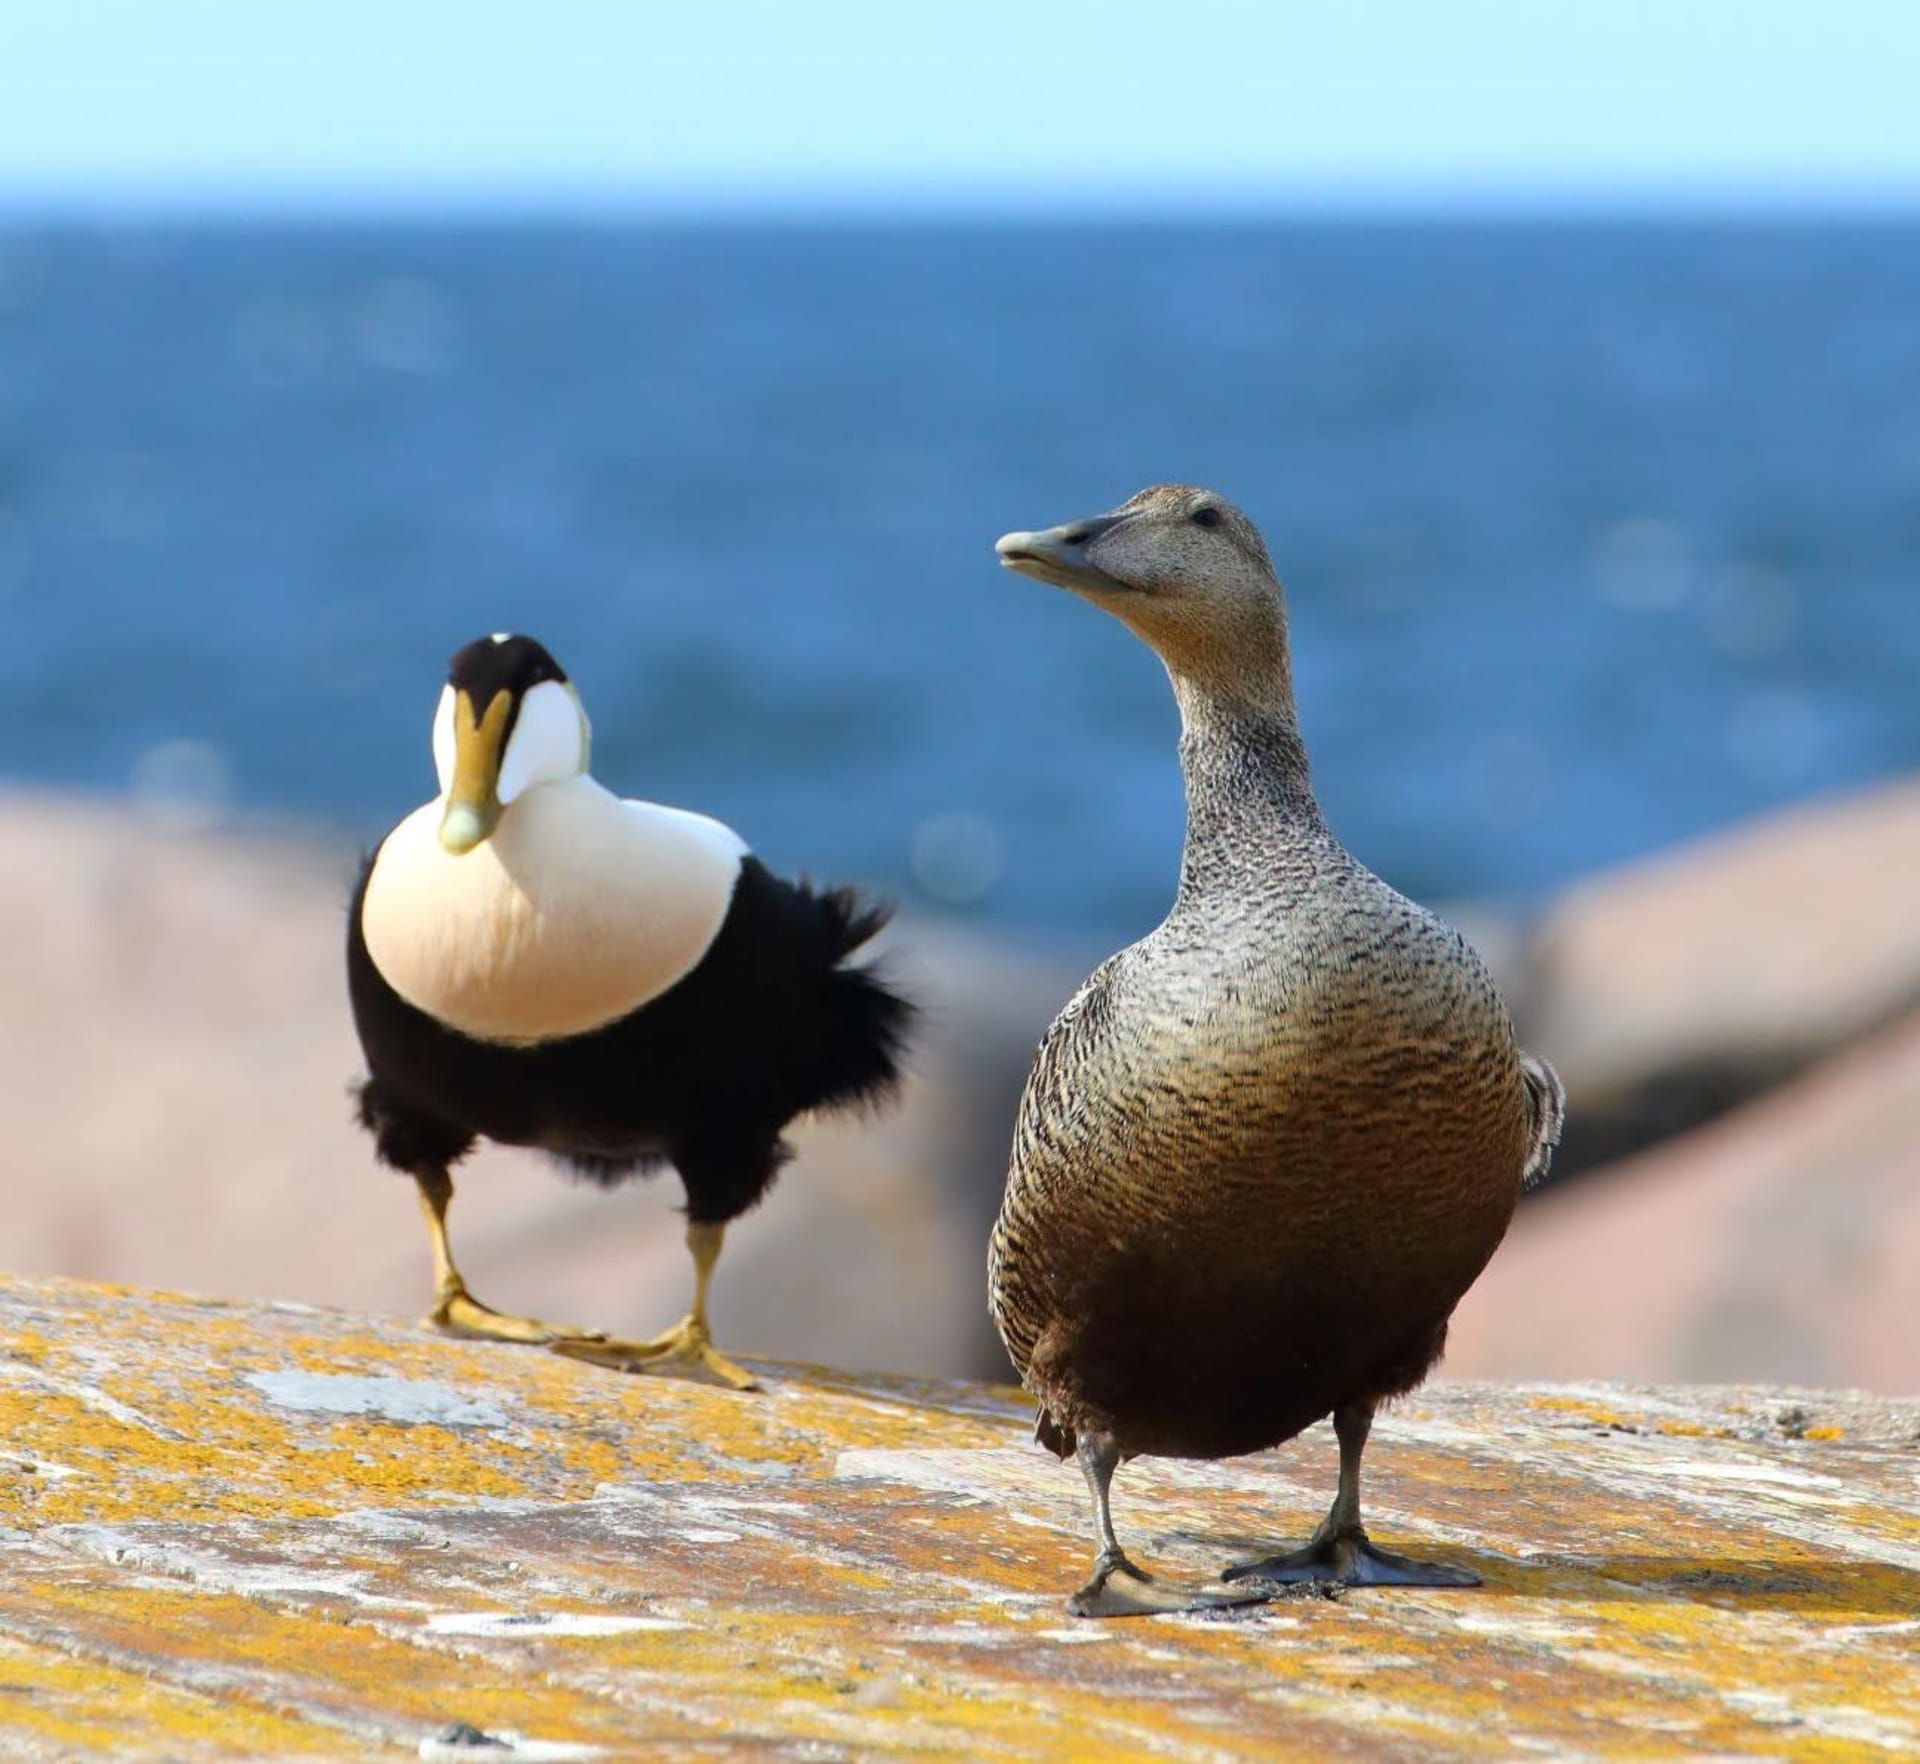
(1347, 1558)
(1119, 1589)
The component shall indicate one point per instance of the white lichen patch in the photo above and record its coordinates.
(1738, 1470)
(415, 1401)
(507, 1746)
(544, 1624)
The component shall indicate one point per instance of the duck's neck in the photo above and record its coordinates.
(1249, 796)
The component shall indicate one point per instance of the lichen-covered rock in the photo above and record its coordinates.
(253, 1531)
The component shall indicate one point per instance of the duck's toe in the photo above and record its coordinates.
(686, 1344)
(1119, 1589)
(1348, 1558)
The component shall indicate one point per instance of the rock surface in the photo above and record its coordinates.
(1781, 1242)
(233, 1530)
(248, 1530)
(1671, 990)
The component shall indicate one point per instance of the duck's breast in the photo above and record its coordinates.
(1360, 1081)
(1309, 1155)
(577, 911)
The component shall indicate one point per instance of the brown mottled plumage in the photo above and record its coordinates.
(1264, 1151)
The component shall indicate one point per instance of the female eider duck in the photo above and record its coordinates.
(535, 961)
(1264, 1151)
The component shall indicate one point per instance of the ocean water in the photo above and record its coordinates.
(1594, 536)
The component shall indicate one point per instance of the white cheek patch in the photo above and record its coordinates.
(443, 740)
(549, 741)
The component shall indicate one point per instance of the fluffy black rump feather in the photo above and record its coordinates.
(774, 1022)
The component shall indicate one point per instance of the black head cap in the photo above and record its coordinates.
(503, 663)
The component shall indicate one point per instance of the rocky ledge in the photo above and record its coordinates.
(266, 1530)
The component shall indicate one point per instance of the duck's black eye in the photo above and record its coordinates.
(1207, 516)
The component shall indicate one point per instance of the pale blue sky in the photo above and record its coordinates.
(761, 102)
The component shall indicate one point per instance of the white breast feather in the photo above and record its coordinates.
(579, 909)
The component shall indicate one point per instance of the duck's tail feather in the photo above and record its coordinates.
(1546, 1117)
(868, 1019)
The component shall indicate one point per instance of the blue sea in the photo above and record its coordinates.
(1595, 536)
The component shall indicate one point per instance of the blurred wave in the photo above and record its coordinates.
(1595, 536)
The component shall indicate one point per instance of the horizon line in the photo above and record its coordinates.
(731, 203)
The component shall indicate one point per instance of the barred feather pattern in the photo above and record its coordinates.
(1263, 1152)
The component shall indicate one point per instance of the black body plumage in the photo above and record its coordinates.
(773, 1022)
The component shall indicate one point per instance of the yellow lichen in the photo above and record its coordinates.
(291, 1582)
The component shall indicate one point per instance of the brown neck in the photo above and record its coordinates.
(1245, 766)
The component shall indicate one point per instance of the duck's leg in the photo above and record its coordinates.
(688, 1342)
(1340, 1553)
(1117, 1588)
(455, 1310)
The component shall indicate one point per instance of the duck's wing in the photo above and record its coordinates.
(1057, 1092)
(1055, 1097)
(1546, 1115)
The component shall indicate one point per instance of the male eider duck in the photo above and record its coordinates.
(1264, 1151)
(535, 961)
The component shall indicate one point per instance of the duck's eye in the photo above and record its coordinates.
(1205, 517)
